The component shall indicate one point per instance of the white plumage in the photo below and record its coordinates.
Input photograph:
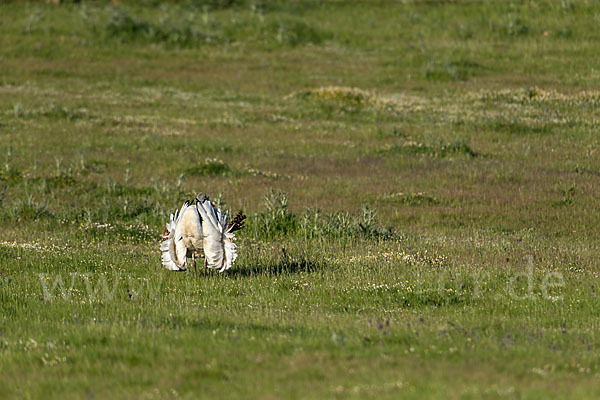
(200, 230)
(219, 246)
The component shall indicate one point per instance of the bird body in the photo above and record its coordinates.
(188, 230)
(182, 238)
(200, 230)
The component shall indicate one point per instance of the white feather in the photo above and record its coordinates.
(195, 230)
(230, 251)
(173, 247)
(219, 249)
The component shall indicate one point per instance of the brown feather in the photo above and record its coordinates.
(237, 222)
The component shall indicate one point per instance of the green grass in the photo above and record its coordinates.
(421, 181)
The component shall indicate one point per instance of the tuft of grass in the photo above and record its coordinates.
(333, 102)
(53, 111)
(187, 27)
(314, 223)
(59, 112)
(294, 32)
(511, 26)
(397, 132)
(25, 210)
(172, 30)
(276, 220)
(436, 150)
(410, 199)
(10, 175)
(516, 127)
(346, 97)
(567, 196)
(209, 167)
(450, 70)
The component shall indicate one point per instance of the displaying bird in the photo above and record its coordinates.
(200, 230)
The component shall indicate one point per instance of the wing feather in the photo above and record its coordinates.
(212, 232)
(173, 255)
(218, 240)
(230, 251)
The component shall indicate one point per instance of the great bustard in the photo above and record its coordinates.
(200, 230)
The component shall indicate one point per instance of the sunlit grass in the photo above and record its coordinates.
(420, 179)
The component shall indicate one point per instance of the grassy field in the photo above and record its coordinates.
(421, 178)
